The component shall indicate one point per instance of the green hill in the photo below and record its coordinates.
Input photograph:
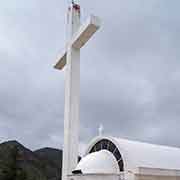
(19, 163)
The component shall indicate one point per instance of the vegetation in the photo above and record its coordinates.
(20, 163)
(11, 170)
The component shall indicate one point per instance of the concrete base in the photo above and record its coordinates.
(141, 177)
(96, 177)
(120, 177)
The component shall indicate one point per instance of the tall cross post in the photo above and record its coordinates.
(77, 36)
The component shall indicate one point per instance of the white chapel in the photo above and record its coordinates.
(115, 158)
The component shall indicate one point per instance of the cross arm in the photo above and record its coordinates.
(61, 61)
(80, 38)
(85, 32)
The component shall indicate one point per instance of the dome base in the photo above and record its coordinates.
(97, 177)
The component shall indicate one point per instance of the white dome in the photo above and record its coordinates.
(98, 162)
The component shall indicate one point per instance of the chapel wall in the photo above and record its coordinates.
(148, 177)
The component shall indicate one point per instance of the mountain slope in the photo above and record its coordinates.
(51, 156)
(55, 155)
(20, 163)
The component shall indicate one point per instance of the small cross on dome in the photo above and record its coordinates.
(101, 129)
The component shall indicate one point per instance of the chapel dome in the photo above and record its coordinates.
(98, 162)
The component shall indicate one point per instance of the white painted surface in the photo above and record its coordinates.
(158, 172)
(150, 155)
(77, 36)
(101, 130)
(138, 154)
(61, 60)
(96, 177)
(72, 84)
(80, 38)
(85, 32)
(99, 162)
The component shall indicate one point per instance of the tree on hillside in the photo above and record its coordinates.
(11, 171)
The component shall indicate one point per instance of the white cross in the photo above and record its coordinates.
(78, 35)
(101, 129)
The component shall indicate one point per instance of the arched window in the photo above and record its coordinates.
(110, 146)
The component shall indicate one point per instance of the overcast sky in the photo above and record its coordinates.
(130, 71)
